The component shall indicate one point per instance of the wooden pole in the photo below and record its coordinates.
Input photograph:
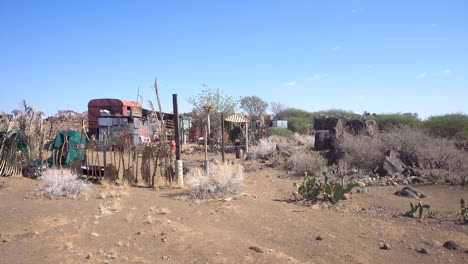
(176, 125)
(222, 137)
(246, 138)
(179, 165)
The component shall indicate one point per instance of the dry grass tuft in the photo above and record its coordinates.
(223, 180)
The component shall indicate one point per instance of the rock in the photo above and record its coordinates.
(385, 246)
(417, 180)
(282, 150)
(423, 251)
(319, 238)
(332, 155)
(346, 196)
(452, 245)
(251, 156)
(392, 164)
(89, 256)
(371, 127)
(322, 140)
(434, 243)
(256, 249)
(166, 257)
(355, 126)
(409, 192)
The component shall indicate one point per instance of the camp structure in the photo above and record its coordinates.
(236, 118)
(110, 118)
(67, 146)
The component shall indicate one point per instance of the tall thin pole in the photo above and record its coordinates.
(179, 165)
(176, 125)
(222, 137)
(247, 137)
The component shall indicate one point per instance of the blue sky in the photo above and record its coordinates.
(378, 56)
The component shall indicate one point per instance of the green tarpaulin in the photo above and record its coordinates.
(76, 144)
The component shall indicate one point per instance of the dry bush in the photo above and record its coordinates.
(304, 139)
(409, 142)
(415, 147)
(278, 140)
(362, 152)
(265, 148)
(61, 183)
(459, 169)
(223, 180)
(303, 162)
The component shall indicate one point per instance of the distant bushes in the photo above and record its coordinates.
(387, 122)
(450, 126)
(280, 132)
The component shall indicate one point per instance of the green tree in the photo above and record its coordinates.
(299, 120)
(214, 100)
(253, 106)
(450, 126)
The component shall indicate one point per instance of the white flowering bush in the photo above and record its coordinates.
(62, 183)
(222, 180)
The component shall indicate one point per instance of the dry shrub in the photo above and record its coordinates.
(362, 152)
(61, 183)
(223, 180)
(415, 147)
(303, 162)
(409, 142)
(304, 139)
(265, 148)
(278, 140)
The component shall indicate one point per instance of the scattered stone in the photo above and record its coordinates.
(417, 180)
(319, 238)
(409, 192)
(452, 245)
(89, 256)
(166, 257)
(163, 239)
(256, 249)
(392, 163)
(346, 196)
(423, 251)
(434, 243)
(385, 246)
(282, 150)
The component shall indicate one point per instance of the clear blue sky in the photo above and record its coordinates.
(379, 56)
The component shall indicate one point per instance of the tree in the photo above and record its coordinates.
(217, 103)
(299, 120)
(253, 106)
(277, 108)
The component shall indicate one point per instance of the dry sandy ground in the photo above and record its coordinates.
(140, 225)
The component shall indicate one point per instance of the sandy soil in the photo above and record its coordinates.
(141, 225)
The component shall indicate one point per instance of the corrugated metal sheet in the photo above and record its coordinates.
(235, 118)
